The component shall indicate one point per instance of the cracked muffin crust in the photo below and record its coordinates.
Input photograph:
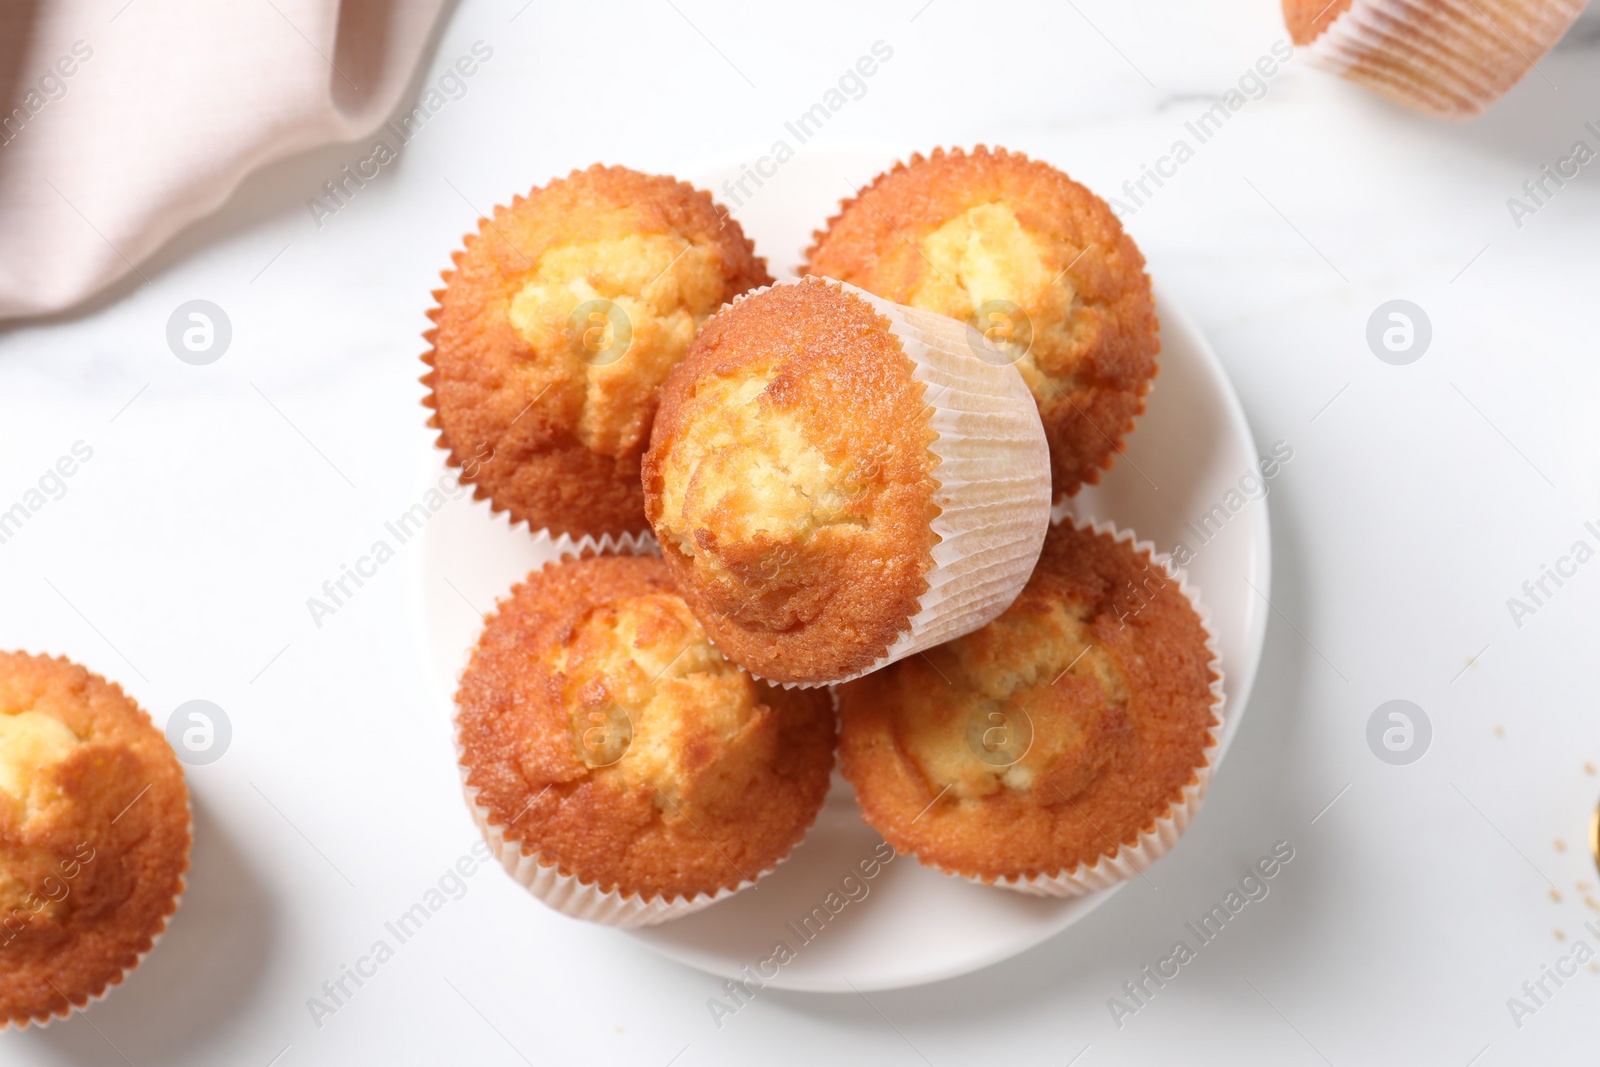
(94, 836)
(790, 483)
(562, 317)
(603, 732)
(1037, 263)
(1048, 738)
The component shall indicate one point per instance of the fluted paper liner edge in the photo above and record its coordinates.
(1450, 58)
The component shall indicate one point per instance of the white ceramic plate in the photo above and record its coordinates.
(909, 925)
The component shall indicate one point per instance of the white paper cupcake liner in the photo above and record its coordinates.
(562, 546)
(122, 976)
(993, 474)
(1447, 58)
(565, 546)
(539, 874)
(571, 895)
(1157, 839)
(993, 479)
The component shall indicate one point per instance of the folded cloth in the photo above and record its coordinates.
(122, 122)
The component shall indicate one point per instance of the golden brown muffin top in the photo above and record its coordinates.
(790, 482)
(1307, 19)
(554, 332)
(605, 733)
(1036, 262)
(94, 835)
(1045, 739)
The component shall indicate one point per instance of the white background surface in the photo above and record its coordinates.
(1418, 501)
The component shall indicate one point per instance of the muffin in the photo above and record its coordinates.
(836, 482)
(555, 330)
(1061, 748)
(94, 836)
(1035, 263)
(623, 770)
(1449, 60)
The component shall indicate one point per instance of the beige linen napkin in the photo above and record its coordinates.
(121, 121)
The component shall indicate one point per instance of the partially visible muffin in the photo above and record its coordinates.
(94, 836)
(1036, 263)
(790, 481)
(562, 317)
(1445, 60)
(623, 768)
(1056, 736)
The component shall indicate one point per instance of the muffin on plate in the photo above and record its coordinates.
(94, 836)
(1447, 60)
(621, 768)
(1040, 268)
(561, 319)
(836, 482)
(1060, 749)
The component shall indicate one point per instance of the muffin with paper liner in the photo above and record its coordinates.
(554, 331)
(1036, 263)
(837, 482)
(1062, 748)
(1447, 58)
(623, 770)
(94, 837)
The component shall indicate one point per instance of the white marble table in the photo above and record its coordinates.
(1420, 498)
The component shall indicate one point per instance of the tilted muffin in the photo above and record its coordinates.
(834, 485)
(94, 836)
(561, 319)
(1037, 264)
(1061, 748)
(1448, 60)
(621, 767)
